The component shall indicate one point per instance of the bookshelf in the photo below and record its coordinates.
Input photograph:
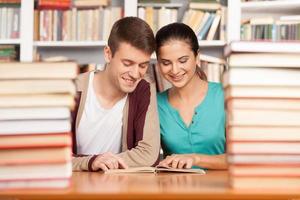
(271, 6)
(239, 11)
(69, 44)
(212, 43)
(88, 51)
(81, 50)
(158, 5)
(91, 49)
(26, 31)
(10, 41)
(9, 30)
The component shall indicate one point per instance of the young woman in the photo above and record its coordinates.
(191, 113)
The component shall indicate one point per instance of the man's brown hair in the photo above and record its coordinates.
(133, 31)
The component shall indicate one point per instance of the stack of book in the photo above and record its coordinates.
(262, 92)
(36, 100)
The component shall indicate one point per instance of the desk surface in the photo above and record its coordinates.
(93, 185)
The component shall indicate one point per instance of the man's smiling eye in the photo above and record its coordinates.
(143, 66)
(127, 64)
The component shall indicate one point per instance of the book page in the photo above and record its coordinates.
(153, 170)
(165, 169)
(131, 170)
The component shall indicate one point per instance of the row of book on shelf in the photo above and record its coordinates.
(84, 20)
(10, 19)
(8, 53)
(157, 17)
(35, 124)
(87, 20)
(69, 24)
(75, 24)
(270, 28)
(94, 23)
(80, 21)
(263, 110)
(206, 19)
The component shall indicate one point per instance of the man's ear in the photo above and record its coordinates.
(107, 54)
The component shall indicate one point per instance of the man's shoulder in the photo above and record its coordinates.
(145, 84)
(142, 88)
(82, 81)
(142, 91)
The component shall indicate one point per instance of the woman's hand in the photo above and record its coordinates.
(201, 160)
(179, 161)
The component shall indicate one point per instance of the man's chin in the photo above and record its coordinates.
(128, 89)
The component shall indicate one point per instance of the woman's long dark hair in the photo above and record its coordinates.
(182, 32)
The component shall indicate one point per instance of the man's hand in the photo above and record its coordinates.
(108, 161)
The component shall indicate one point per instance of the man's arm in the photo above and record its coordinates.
(146, 152)
(82, 163)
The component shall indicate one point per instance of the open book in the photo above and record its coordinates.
(153, 170)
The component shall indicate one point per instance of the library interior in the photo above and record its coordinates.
(235, 136)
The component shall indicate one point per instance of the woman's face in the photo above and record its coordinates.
(177, 62)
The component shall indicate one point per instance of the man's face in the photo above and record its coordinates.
(127, 67)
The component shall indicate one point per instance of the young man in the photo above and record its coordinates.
(116, 122)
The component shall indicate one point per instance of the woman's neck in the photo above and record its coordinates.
(190, 93)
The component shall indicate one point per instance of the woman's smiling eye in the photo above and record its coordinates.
(166, 63)
(183, 60)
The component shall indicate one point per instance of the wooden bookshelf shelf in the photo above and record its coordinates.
(10, 41)
(69, 43)
(270, 6)
(211, 43)
(167, 5)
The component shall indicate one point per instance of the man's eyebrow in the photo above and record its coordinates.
(128, 60)
(144, 63)
(131, 61)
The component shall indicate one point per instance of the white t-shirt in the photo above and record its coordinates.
(100, 129)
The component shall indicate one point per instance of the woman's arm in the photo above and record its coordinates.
(211, 161)
(200, 160)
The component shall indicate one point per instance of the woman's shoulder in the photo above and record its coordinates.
(216, 88)
(162, 95)
(215, 85)
(162, 99)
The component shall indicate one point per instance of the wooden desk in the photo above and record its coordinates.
(88, 185)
